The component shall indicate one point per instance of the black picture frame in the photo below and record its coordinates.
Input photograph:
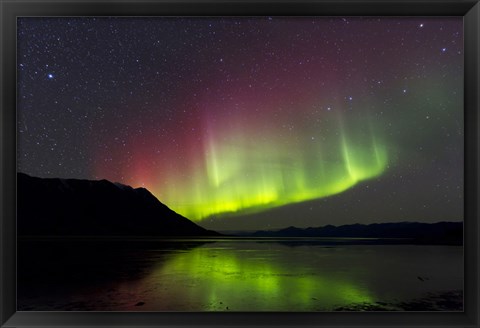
(10, 10)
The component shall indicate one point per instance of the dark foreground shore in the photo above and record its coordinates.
(447, 301)
(236, 275)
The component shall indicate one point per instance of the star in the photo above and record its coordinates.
(50, 76)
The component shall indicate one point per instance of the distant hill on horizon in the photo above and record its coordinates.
(450, 233)
(53, 206)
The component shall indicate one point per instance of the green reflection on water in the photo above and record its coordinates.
(222, 278)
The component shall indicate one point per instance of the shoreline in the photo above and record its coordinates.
(292, 241)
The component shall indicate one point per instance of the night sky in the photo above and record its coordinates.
(251, 123)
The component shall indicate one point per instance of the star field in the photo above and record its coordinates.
(251, 122)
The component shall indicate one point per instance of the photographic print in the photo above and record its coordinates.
(252, 164)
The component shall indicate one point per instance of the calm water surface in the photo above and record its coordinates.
(229, 275)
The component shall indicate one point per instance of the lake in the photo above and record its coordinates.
(82, 274)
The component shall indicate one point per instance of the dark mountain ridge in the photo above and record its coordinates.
(52, 206)
(424, 233)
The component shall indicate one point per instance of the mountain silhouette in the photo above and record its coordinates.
(422, 233)
(95, 208)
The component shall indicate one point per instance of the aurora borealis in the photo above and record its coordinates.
(225, 119)
(263, 168)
